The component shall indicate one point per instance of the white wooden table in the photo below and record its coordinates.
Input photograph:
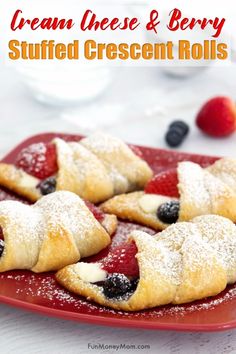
(21, 116)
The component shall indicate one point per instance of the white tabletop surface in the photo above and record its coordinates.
(168, 98)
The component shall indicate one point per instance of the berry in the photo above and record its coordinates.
(176, 133)
(1, 247)
(47, 186)
(182, 126)
(164, 183)
(97, 213)
(136, 150)
(168, 212)
(217, 117)
(39, 160)
(174, 138)
(134, 283)
(116, 285)
(122, 260)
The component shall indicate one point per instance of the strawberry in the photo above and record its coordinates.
(136, 150)
(98, 214)
(39, 160)
(122, 260)
(164, 183)
(217, 117)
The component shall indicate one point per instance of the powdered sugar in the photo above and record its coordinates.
(42, 289)
(220, 234)
(123, 231)
(225, 170)
(206, 191)
(67, 210)
(62, 215)
(28, 154)
(102, 143)
(127, 171)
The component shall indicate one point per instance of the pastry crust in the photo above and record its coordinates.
(19, 182)
(56, 231)
(150, 290)
(81, 172)
(127, 171)
(127, 206)
(27, 186)
(185, 262)
(202, 191)
(110, 223)
(96, 168)
(225, 170)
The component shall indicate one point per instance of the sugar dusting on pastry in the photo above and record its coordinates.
(220, 234)
(128, 171)
(58, 227)
(178, 265)
(102, 142)
(209, 233)
(43, 287)
(167, 263)
(67, 209)
(225, 170)
(205, 191)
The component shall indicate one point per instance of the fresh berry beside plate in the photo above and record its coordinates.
(177, 132)
(217, 117)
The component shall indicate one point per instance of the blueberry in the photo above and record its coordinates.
(176, 133)
(174, 137)
(134, 284)
(116, 285)
(168, 212)
(48, 186)
(180, 125)
(2, 244)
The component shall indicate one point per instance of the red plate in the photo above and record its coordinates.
(40, 292)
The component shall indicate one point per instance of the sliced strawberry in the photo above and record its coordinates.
(165, 183)
(39, 160)
(98, 213)
(122, 260)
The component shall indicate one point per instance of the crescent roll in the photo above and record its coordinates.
(202, 191)
(56, 231)
(184, 263)
(96, 169)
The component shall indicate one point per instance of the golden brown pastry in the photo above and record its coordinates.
(184, 263)
(19, 182)
(56, 231)
(202, 191)
(138, 207)
(96, 168)
(127, 171)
